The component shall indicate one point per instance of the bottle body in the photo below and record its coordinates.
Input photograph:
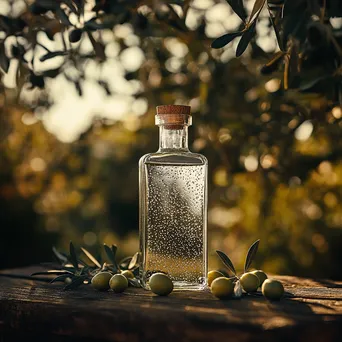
(173, 217)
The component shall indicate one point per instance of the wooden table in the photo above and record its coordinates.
(34, 310)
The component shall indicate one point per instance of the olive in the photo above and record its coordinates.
(222, 287)
(118, 283)
(272, 289)
(249, 282)
(262, 276)
(128, 274)
(101, 281)
(212, 275)
(68, 280)
(161, 284)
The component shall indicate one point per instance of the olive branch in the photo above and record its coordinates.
(74, 271)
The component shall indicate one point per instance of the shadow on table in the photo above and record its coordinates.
(329, 283)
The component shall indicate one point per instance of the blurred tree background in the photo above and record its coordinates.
(79, 84)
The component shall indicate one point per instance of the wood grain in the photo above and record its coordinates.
(311, 311)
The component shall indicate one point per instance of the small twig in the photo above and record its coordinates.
(98, 50)
(286, 72)
(273, 21)
(63, 40)
(41, 45)
(323, 10)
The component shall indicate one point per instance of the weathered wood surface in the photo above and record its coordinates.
(312, 311)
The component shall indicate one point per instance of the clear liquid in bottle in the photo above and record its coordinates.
(173, 212)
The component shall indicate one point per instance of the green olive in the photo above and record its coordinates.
(68, 280)
(262, 276)
(272, 289)
(249, 282)
(118, 283)
(128, 274)
(161, 284)
(222, 287)
(212, 275)
(101, 281)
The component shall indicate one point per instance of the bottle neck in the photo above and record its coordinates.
(173, 139)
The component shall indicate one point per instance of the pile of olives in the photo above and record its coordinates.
(104, 281)
(160, 283)
(223, 287)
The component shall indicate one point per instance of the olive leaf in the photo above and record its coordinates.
(275, 21)
(245, 39)
(52, 272)
(47, 4)
(258, 6)
(251, 254)
(291, 6)
(91, 257)
(76, 282)
(238, 8)
(52, 54)
(105, 86)
(11, 25)
(111, 254)
(73, 258)
(225, 259)
(71, 6)
(4, 60)
(63, 17)
(87, 269)
(98, 47)
(114, 249)
(51, 73)
(224, 40)
(134, 261)
(59, 271)
(78, 87)
(125, 262)
(93, 25)
(309, 84)
(59, 256)
(175, 21)
(295, 25)
(60, 278)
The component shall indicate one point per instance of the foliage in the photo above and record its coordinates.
(310, 48)
(269, 121)
(249, 258)
(75, 272)
(228, 263)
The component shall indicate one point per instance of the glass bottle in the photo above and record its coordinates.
(173, 205)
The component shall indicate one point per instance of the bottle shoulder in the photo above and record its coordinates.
(174, 158)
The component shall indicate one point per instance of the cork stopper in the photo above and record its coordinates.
(173, 116)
